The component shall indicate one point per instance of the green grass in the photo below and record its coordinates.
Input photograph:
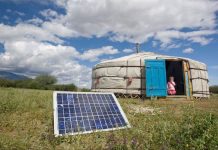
(26, 122)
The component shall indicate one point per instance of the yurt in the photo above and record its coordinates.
(146, 74)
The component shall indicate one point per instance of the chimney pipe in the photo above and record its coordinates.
(137, 47)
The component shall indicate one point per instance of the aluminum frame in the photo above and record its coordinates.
(55, 113)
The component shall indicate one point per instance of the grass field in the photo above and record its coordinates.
(26, 122)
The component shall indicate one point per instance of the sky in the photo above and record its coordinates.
(66, 38)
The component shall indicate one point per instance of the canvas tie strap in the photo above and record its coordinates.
(129, 81)
(97, 81)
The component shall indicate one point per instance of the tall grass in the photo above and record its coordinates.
(27, 123)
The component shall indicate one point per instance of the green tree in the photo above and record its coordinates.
(45, 80)
(214, 89)
(6, 83)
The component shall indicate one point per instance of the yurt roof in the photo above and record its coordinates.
(143, 56)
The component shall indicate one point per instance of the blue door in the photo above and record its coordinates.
(155, 71)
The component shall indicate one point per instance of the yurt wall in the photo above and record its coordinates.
(127, 75)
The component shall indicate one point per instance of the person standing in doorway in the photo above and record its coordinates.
(171, 86)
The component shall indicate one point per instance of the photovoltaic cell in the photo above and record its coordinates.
(78, 112)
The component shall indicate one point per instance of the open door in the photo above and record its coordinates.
(155, 71)
(175, 68)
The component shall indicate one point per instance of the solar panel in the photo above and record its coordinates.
(78, 113)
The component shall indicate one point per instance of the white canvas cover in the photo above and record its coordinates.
(199, 78)
(127, 74)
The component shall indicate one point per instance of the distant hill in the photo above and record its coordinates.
(11, 76)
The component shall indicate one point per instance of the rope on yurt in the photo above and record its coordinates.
(141, 76)
(202, 92)
(202, 88)
(190, 81)
(127, 66)
(95, 81)
(206, 75)
(186, 79)
(127, 76)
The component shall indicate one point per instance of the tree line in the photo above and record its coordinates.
(43, 82)
(214, 89)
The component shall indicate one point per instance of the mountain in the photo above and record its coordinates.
(11, 76)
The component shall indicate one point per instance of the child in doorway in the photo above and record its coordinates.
(171, 86)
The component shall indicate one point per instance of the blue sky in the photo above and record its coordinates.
(66, 38)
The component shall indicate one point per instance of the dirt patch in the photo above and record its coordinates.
(147, 110)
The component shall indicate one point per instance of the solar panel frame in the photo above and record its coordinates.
(55, 113)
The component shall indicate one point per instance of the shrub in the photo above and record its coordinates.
(85, 90)
(6, 83)
(214, 89)
(63, 87)
(45, 80)
(196, 131)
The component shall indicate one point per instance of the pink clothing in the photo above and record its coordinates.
(171, 85)
(171, 92)
(171, 88)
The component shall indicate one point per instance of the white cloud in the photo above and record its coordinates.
(139, 20)
(94, 54)
(19, 13)
(201, 40)
(33, 58)
(15, 12)
(63, 31)
(35, 21)
(161, 19)
(128, 50)
(188, 51)
(26, 32)
(28, 49)
(49, 14)
(173, 46)
(166, 37)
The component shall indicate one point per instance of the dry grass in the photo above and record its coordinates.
(27, 123)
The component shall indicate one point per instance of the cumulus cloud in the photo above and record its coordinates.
(35, 21)
(33, 58)
(26, 32)
(127, 50)
(63, 31)
(166, 37)
(28, 49)
(94, 54)
(201, 40)
(188, 51)
(49, 14)
(139, 20)
(37, 45)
